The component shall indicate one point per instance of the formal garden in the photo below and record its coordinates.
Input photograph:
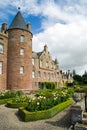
(46, 102)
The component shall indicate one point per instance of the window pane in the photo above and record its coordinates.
(47, 65)
(21, 51)
(40, 63)
(1, 48)
(0, 67)
(33, 61)
(33, 74)
(22, 38)
(44, 75)
(39, 74)
(21, 70)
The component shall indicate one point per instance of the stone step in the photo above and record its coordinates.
(79, 126)
(85, 114)
(84, 120)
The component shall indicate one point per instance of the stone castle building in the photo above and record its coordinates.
(20, 68)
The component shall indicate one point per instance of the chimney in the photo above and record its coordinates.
(46, 48)
(4, 27)
(29, 27)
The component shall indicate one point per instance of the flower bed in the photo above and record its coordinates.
(44, 114)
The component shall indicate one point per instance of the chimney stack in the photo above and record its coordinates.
(29, 27)
(4, 27)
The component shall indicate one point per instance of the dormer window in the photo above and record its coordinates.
(22, 38)
(1, 48)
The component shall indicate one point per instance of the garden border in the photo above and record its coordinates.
(45, 114)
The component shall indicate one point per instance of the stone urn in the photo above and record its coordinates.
(76, 97)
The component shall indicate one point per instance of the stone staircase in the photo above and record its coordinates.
(83, 125)
(84, 119)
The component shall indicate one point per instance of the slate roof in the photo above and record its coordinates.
(18, 22)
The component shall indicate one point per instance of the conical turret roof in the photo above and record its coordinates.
(18, 22)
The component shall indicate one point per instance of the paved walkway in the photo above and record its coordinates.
(9, 121)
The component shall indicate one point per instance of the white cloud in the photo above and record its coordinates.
(67, 42)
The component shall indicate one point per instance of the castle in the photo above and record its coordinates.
(20, 68)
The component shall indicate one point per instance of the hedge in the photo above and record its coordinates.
(16, 105)
(33, 116)
(4, 101)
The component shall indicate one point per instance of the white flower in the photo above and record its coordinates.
(44, 97)
(38, 103)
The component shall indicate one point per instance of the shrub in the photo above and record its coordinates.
(48, 85)
(47, 99)
(18, 102)
(10, 94)
(32, 116)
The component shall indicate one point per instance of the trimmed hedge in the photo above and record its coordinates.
(33, 116)
(16, 105)
(4, 101)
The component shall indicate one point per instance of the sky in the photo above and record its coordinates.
(61, 24)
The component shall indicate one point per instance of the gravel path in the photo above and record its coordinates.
(9, 121)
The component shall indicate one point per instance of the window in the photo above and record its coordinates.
(33, 74)
(30, 42)
(39, 74)
(33, 61)
(22, 38)
(40, 63)
(21, 51)
(22, 70)
(48, 75)
(44, 75)
(1, 48)
(47, 65)
(1, 63)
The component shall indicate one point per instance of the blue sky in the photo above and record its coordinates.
(61, 24)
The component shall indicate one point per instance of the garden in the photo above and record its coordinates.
(45, 104)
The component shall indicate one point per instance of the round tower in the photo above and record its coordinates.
(19, 72)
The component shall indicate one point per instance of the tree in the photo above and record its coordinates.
(74, 73)
(77, 78)
(84, 78)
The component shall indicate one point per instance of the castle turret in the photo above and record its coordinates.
(19, 55)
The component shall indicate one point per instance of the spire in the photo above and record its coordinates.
(56, 61)
(18, 22)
